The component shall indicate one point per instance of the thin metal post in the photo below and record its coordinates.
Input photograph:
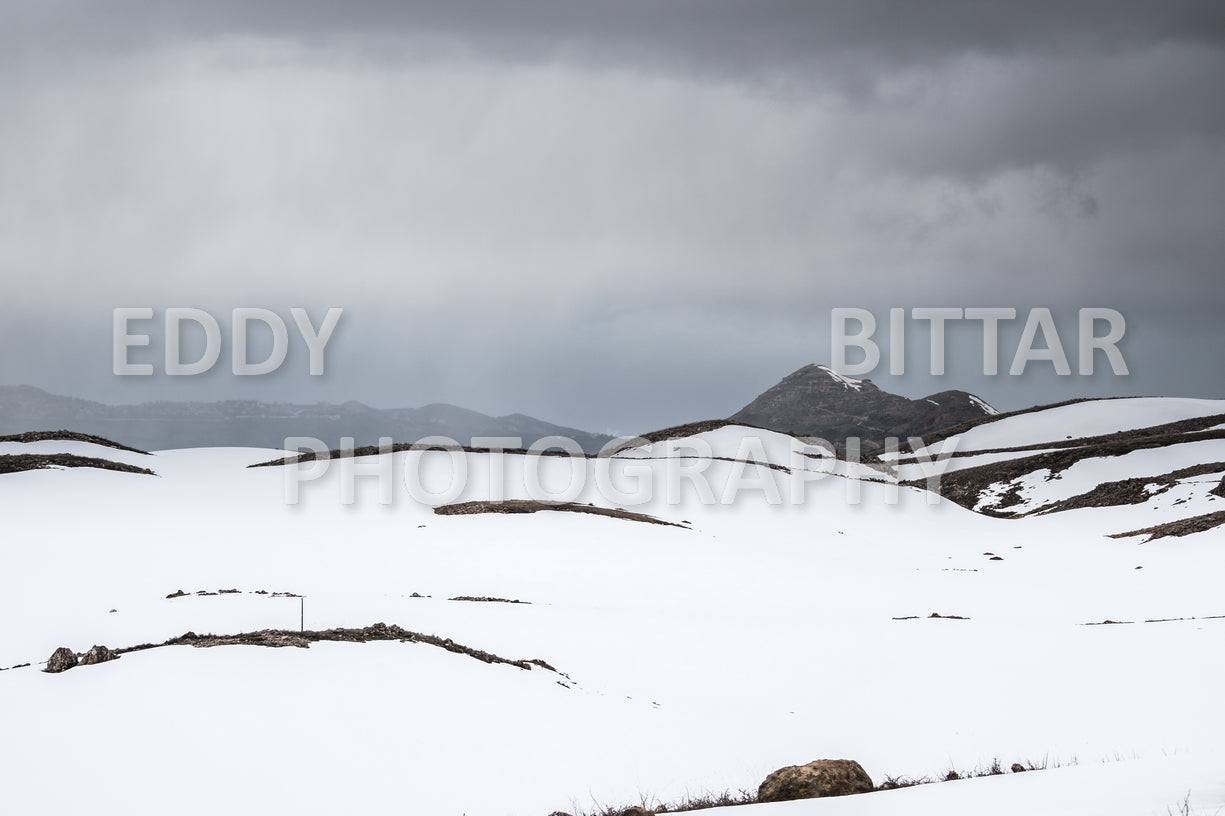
(302, 613)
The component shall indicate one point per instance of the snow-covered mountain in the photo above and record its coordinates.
(790, 607)
(817, 401)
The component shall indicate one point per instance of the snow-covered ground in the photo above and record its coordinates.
(1031, 462)
(1083, 419)
(698, 657)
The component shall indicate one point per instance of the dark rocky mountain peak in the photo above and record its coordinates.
(817, 401)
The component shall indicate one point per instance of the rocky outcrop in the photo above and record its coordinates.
(67, 436)
(824, 777)
(97, 654)
(519, 506)
(1181, 527)
(18, 462)
(1219, 490)
(61, 660)
(64, 658)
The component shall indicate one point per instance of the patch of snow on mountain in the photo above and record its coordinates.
(849, 382)
(987, 409)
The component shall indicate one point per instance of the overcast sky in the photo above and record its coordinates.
(616, 217)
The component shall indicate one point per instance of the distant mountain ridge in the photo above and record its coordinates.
(817, 401)
(251, 423)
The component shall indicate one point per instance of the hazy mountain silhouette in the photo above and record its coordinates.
(250, 423)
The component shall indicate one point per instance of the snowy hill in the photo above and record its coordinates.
(1157, 463)
(783, 613)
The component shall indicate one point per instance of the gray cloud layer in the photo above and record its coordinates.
(615, 216)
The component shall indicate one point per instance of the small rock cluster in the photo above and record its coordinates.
(63, 658)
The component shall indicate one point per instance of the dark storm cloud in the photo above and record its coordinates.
(703, 33)
(1070, 81)
(615, 215)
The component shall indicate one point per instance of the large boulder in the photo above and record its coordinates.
(97, 654)
(61, 660)
(824, 777)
